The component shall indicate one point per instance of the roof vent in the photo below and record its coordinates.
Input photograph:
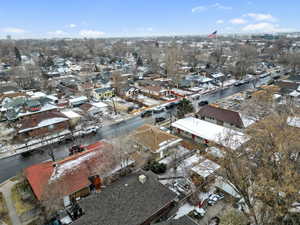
(142, 178)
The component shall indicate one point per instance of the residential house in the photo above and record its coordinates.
(293, 121)
(17, 105)
(224, 117)
(77, 101)
(131, 92)
(74, 117)
(70, 178)
(204, 132)
(205, 170)
(196, 165)
(295, 95)
(103, 93)
(93, 109)
(180, 92)
(137, 199)
(41, 124)
(286, 87)
(156, 91)
(151, 138)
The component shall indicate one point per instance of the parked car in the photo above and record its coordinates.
(197, 213)
(240, 82)
(264, 75)
(214, 198)
(91, 129)
(203, 103)
(159, 119)
(271, 81)
(147, 113)
(165, 129)
(171, 105)
(158, 110)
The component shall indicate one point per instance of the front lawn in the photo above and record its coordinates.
(3, 211)
(21, 205)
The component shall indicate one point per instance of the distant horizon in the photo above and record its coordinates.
(35, 19)
(153, 36)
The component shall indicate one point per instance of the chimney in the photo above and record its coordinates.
(142, 179)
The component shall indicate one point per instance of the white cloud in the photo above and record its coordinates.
(219, 21)
(91, 33)
(13, 30)
(220, 6)
(150, 29)
(261, 17)
(215, 6)
(199, 9)
(57, 33)
(72, 25)
(238, 21)
(265, 27)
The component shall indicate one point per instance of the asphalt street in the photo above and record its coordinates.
(11, 166)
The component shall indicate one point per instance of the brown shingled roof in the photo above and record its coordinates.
(221, 114)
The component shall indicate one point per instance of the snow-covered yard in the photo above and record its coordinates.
(229, 82)
(148, 101)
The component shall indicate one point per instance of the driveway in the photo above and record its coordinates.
(212, 211)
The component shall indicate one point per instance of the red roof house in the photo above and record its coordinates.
(71, 174)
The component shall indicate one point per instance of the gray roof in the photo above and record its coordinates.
(7, 88)
(185, 220)
(126, 202)
(102, 90)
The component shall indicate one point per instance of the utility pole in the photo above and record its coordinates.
(114, 105)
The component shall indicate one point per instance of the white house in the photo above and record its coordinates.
(203, 131)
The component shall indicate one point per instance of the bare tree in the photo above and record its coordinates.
(292, 60)
(246, 56)
(172, 58)
(27, 76)
(264, 173)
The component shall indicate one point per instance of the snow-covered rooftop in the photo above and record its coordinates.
(44, 123)
(212, 132)
(60, 169)
(205, 168)
(77, 99)
(70, 114)
(99, 104)
(293, 121)
(44, 108)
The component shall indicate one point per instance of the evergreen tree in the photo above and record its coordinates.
(139, 61)
(18, 56)
(184, 107)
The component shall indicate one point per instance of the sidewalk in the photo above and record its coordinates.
(5, 188)
(40, 142)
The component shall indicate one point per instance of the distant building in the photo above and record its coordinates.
(102, 93)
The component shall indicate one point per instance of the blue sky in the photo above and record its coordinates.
(111, 18)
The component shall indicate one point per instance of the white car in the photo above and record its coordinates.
(200, 211)
(213, 198)
(89, 130)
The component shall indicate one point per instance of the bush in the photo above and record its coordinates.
(156, 167)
